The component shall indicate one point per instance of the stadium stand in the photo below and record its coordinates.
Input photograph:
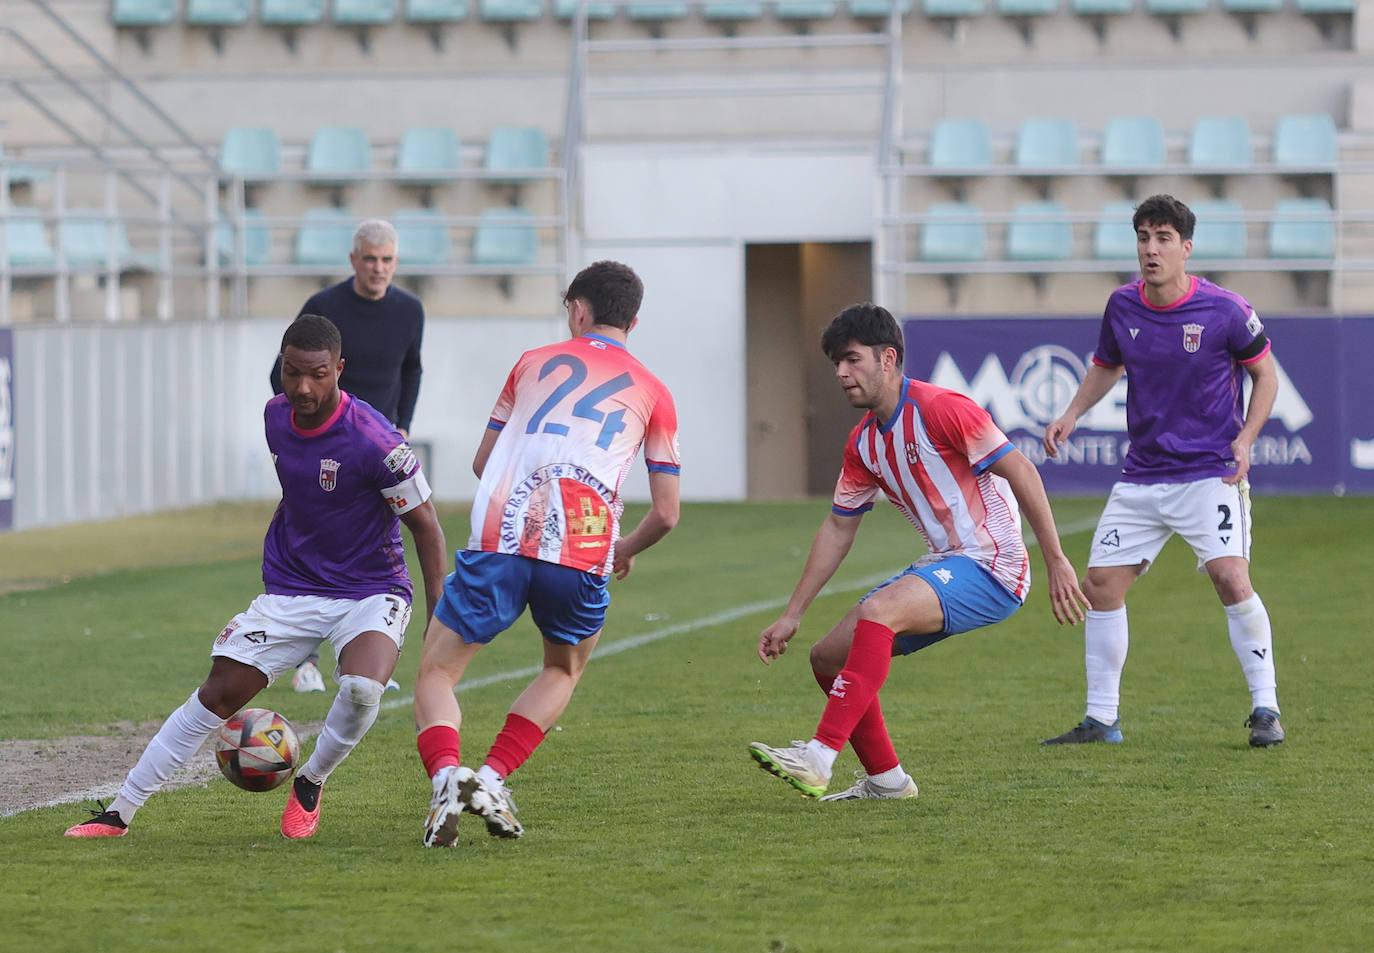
(92, 241)
(1113, 238)
(422, 237)
(1047, 143)
(26, 240)
(257, 241)
(1305, 141)
(218, 12)
(1220, 142)
(1302, 228)
(953, 232)
(325, 239)
(1220, 234)
(143, 12)
(250, 151)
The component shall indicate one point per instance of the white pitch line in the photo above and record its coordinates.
(198, 775)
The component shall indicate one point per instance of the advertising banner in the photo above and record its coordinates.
(6, 428)
(1318, 439)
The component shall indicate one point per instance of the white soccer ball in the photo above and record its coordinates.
(257, 749)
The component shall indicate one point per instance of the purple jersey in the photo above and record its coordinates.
(336, 532)
(1184, 377)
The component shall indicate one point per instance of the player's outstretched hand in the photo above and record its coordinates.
(1056, 433)
(622, 566)
(773, 640)
(1066, 599)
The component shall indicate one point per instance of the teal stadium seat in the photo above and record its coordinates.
(436, 11)
(26, 240)
(504, 237)
(960, 144)
(290, 12)
(511, 11)
(364, 12)
(143, 12)
(1220, 141)
(952, 9)
(1047, 144)
(257, 240)
(657, 10)
(1175, 7)
(515, 150)
(870, 9)
(1133, 142)
(732, 10)
(1101, 7)
(806, 9)
(1306, 140)
(1214, 238)
(567, 9)
(338, 149)
(250, 150)
(945, 240)
(1310, 233)
(1113, 237)
(421, 240)
(218, 12)
(1027, 8)
(325, 238)
(1327, 6)
(428, 149)
(1252, 6)
(1031, 237)
(85, 238)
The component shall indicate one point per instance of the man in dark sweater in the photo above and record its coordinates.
(381, 327)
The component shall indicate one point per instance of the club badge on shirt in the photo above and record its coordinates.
(329, 475)
(1192, 337)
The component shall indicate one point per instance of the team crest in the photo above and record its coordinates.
(913, 453)
(329, 475)
(1192, 337)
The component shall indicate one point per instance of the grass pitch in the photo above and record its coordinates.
(648, 826)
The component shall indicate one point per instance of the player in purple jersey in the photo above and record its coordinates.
(333, 569)
(1184, 345)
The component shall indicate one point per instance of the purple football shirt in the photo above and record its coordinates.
(1184, 377)
(337, 532)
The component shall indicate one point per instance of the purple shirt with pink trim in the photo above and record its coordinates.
(336, 532)
(1184, 373)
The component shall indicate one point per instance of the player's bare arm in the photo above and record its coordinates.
(832, 543)
(1264, 377)
(479, 460)
(1067, 600)
(423, 523)
(664, 510)
(1096, 385)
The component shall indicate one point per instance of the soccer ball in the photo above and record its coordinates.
(257, 749)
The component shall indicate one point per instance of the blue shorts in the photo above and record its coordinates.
(969, 595)
(487, 592)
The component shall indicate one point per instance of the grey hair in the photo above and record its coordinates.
(375, 232)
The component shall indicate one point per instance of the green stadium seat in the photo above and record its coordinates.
(1220, 141)
(657, 9)
(1133, 142)
(364, 12)
(516, 149)
(950, 9)
(218, 12)
(436, 11)
(420, 239)
(511, 11)
(257, 240)
(325, 238)
(428, 149)
(1214, 238)
(805, 9)
(1047, 143)
(1031, 237)
(249, 150)
(860, 9)
(953, 241)
(504, 237)
(338, 149)
(1310, 234)
(1113, 237)
(567, 9)
(960, 144)
(143, 12)
(1306, 139)
(26, 240)
(291, 12)
(732, 10)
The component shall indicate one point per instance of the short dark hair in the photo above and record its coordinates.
(313, 332)
(612, 290)
(1165, 210)
(866, 323)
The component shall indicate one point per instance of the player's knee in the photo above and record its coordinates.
(825, 660)
(361, 691)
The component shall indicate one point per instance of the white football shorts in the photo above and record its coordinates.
(276, 632)
(1212, 517)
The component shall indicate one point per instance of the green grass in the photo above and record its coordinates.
(650, 829)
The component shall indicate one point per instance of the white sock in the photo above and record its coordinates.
(489, 776)
(441, 776)
(1252, 641)
(1106, 637)
(823, 755)
(176, 742)
(891, 780)
(353, 712)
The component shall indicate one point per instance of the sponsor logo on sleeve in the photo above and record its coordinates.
(1253, 325)
(401, 460)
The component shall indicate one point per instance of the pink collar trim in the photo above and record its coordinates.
(338, 412)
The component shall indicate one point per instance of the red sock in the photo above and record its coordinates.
(870, 739)
(514, 744)
(438, 748)
(856, 688)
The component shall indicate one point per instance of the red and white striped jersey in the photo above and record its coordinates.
(931, 460)
(572, 418)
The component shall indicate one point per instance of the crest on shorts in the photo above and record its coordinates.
(329, 474)
(1192, 337)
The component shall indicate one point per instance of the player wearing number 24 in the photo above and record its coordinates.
(546, 533)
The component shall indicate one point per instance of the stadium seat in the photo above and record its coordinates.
(870, 9)
(960, 144)
(1024, 12)
(805, 9)
(257, 240)
(1031, 237)
(1311, 233)
(1175, 7)
(1327, 6)
(420, 239)
(428, 149)
(290, 12)
(26, 240)
(246, 150)
(732, 10)
(504, 238)
(511, 11)
(436, 11)
(657, 10)
(1133, 142)
(364, 12)
(516, 149)
(218, 12)
(325, 238)
(1047, 144)
(338, 149)
(1252, 6)
(567, 9)
(1214, 238)
(953, 241)
(1113, 237)
(85, 238)
(1305, 140)
(1101, 7)
(143, 12)
(954, 9)
(1218, 141)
